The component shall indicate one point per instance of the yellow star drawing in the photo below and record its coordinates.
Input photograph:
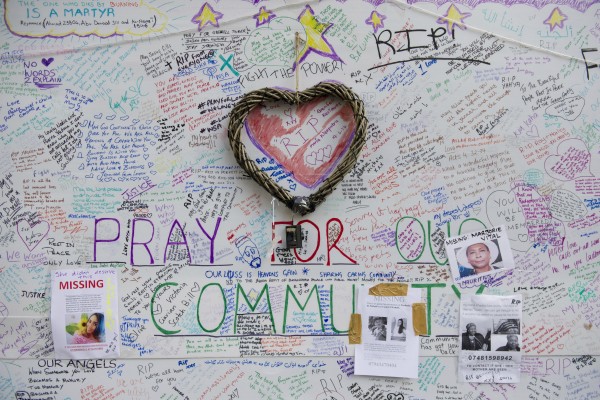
(555, 19)
(375, 20)
(453, 17)
(314, 36)
(264, 16)
(207, 15)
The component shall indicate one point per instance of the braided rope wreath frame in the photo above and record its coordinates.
(299, 204)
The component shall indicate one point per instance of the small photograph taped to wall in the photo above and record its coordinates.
(399, 325)
(476, 335)
(479, 253)
(510, 342)
(378, 328)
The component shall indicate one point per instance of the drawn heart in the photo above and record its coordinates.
(32, 235)
(297, 141)
(572, 160)
(533, 132)
(47, 61)
(568, 109)
(302, 143)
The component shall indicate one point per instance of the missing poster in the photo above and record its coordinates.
(84, 313)
(479, 253)
(490, 339)
(389, 345)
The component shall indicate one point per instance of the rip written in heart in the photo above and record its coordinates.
(307, 141)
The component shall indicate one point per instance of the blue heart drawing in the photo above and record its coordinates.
(47, 61)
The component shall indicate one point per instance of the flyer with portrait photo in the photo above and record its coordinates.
(84, 313)
(389, 345)
(479, 253)
(490, 337)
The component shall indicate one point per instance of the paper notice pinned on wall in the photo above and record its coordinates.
(85, 313)
(389, 345)
(479, 253)
(490, 339)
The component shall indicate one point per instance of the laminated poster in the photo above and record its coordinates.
(481, 253)
(389, 345)
(85, 314)
(490, 339)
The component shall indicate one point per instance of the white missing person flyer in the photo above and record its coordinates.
(490, 332)
(84, 313)
(389, 345)
(479, 253)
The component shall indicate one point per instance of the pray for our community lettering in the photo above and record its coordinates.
(170, 302)
(108, 230)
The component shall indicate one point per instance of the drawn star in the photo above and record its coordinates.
(207, 16)
(315, 40)
(375, 20)
(264, 16)
(453, 17)
(305, 271)
(555, 19)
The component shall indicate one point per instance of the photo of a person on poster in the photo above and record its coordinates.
(399, 329)
(473, 340)
(512, 344)
(478, 258)
(507, 326)
(477, 254)
(91, 330)
(378, 328)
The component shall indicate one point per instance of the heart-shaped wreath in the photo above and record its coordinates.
(299, 204)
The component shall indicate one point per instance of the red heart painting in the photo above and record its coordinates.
(307, 140)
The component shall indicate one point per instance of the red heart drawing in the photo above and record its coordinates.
(32, 235)
(312, 144)
(307, 140)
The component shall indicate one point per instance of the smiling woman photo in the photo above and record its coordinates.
(478, 255)
(91, 331)
(473, 340)
(478, 258)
